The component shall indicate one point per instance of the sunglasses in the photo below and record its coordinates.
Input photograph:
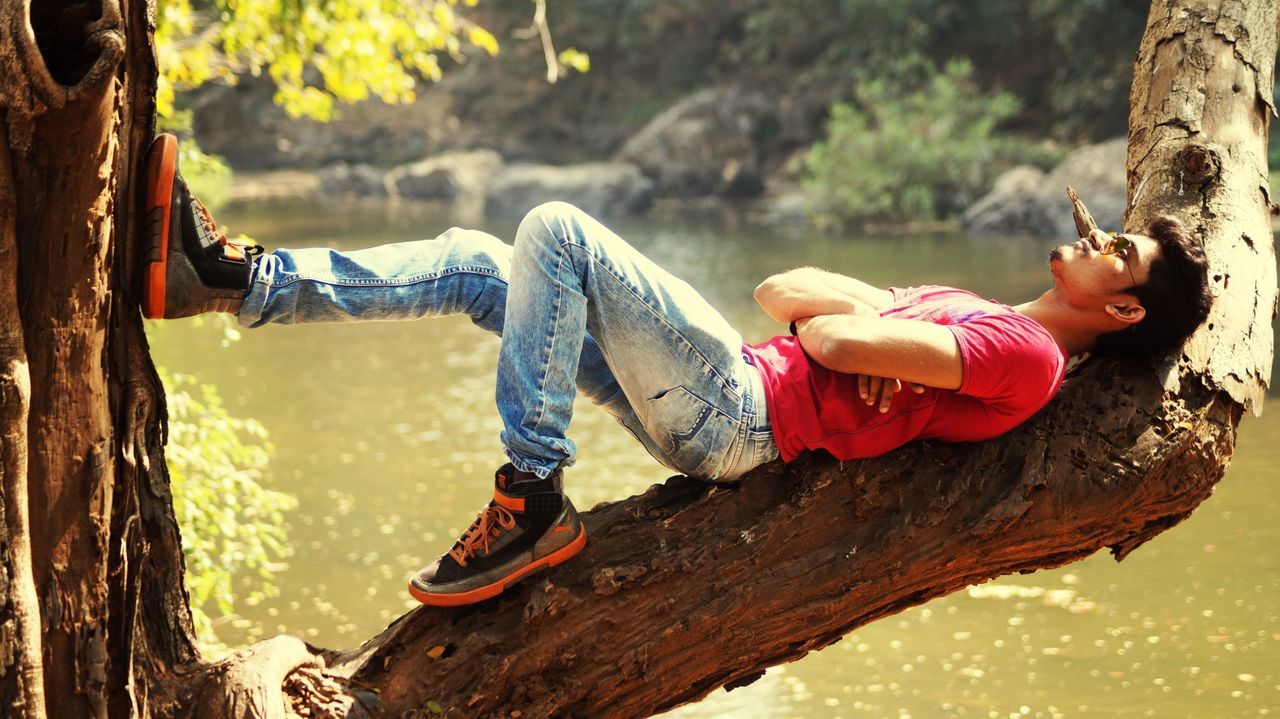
(1119, 246)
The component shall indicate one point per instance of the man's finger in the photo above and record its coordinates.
(917, 388)
(873, 392)
(862, 386)
(891, 388)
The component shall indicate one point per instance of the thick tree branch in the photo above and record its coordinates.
(690, 587)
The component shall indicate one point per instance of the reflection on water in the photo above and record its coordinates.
(387, 434)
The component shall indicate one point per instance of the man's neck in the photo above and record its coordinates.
(1061, 321)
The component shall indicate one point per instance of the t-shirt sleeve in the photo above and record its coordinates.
(1010, 361)
(902, 295)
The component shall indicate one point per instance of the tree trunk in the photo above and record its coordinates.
(682, 590)
(87, 506)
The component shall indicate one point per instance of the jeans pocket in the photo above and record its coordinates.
(691, 431)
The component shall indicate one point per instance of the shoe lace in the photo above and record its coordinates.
(491, 523)
(230, 248)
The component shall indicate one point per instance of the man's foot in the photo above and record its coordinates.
(190, 266)
(529, 524)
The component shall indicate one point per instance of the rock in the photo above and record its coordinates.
(460, 176)
(348, 180)
(599, 188)
(708, 143)
(1013, 205)
(1025, 200)
(1097, 173)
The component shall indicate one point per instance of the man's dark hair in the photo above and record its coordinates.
(1175, 296)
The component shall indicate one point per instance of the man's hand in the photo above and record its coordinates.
(873, 389)
(882, 389)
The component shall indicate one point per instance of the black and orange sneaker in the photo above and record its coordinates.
(530, 524)
(189, 265)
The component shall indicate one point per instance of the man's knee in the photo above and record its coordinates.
(547, 221)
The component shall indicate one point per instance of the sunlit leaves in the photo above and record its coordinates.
(231, 524)
(576, 59)
(317, 53)
(187, 55)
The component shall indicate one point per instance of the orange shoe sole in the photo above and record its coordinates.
(489, 591)
(162, 163)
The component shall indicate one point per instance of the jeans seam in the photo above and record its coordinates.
(380, 282)
(550, 344)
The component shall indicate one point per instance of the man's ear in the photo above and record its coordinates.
(1129, 313)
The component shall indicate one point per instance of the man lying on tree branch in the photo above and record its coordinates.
(580, 310)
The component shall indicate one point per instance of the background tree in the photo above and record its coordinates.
(93, 617)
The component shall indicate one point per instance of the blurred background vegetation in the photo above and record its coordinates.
(889, 87)
(232, 525)
(919, 154)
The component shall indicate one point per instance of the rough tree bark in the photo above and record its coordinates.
(87, 508)
(682, 590)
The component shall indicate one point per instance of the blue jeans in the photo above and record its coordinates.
(578, 309)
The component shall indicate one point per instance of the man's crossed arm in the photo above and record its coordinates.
(809, 292)
(839, 326)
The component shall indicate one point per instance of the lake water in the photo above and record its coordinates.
(387, 434)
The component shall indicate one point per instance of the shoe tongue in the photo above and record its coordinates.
(525, 487)
(514, 482)
(503, 476)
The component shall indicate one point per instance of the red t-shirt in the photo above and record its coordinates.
(1012, 368)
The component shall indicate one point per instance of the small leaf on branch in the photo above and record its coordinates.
(576, 59)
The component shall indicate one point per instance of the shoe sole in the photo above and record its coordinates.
(162, 163)
(495, 588)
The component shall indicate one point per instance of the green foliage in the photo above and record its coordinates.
(209, 173)
(1069, 61)
(186, 57)
(918, 147)
(576, 59)
(316, 51)
(231, 524)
